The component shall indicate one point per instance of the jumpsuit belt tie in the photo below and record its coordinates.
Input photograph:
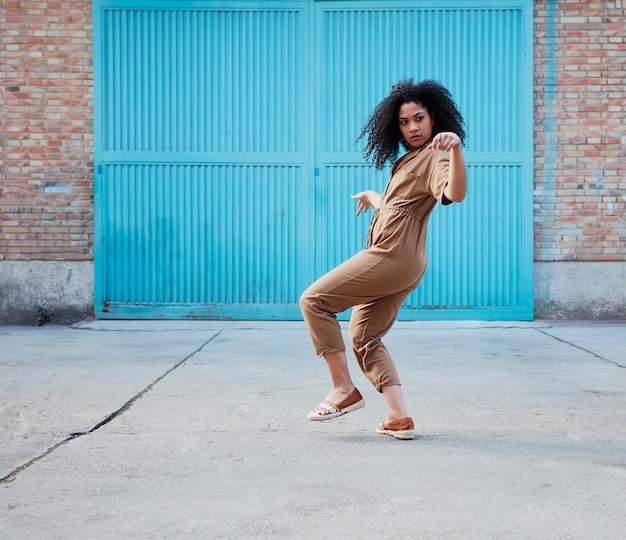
(395, 210)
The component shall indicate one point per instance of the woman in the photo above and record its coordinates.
(376, 281)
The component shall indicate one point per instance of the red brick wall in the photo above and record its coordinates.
(46, 167)
(580, 131)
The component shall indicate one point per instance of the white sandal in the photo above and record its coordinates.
(327, 410)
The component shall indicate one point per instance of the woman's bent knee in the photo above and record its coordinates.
(305, 300)
(308, 302)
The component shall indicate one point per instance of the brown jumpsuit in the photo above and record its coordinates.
(377, 280)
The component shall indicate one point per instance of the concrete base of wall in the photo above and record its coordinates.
(580, 290)
(64, 289)
(563, 290)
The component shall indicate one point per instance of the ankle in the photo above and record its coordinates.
(394, 417)
(397, 413)
(339, 392)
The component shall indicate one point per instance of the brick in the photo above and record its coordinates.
(45, 60)
(585, 78)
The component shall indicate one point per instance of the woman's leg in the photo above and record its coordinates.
(395, 403)
(342, 385)
(368, 324)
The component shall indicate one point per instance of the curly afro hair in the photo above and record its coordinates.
(383, 129)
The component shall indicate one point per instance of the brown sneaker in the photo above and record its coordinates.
(400, 429)
(327, 410)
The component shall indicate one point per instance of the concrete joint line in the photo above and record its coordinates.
(13, 475)
(582, 349)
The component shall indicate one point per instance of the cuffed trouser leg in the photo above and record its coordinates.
(368, 324)
(319, 313)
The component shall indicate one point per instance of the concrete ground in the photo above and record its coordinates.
(196, 429)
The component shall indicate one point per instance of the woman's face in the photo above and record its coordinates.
(416, 124)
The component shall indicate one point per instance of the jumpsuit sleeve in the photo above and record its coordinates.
(439, 178)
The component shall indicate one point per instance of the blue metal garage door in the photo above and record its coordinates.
(225, 155)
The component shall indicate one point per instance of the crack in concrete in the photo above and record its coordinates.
(13, 475)
(582, 349)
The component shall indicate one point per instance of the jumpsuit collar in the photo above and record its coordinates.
(411, 154)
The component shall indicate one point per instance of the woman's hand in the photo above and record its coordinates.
(456, 187)
(366, 199)
(446, 141)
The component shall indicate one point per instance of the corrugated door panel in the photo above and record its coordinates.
(198, 81)
(167, 226)
(480, 252)
(200, 159)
